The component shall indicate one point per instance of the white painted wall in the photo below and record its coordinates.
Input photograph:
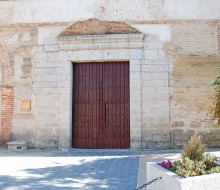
(37, 11)
(171, 181)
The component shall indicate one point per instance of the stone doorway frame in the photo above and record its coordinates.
(104, 48)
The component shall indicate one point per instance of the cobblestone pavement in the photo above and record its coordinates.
(76, 169)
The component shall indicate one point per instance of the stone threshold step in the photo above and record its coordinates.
(17, 145)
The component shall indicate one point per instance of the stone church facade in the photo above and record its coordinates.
(172, 49)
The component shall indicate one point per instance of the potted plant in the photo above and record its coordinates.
(196, 170)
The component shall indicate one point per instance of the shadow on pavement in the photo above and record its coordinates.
(103, 173)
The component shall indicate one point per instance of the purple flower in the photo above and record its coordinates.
(166, 164)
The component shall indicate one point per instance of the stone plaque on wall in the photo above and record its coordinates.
(26, 105)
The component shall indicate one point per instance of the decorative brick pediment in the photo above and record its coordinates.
(97, 27)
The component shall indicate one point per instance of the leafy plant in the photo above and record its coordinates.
(216, 83)
(209, 160)
(194, 161)
(187, 167)
(213, 170)
(194, 149)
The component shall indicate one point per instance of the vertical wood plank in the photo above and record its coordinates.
(127, 107)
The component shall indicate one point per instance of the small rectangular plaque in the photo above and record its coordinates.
(25, 105)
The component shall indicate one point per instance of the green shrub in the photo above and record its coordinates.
(194, 149)
(208, 160)
(216, 83)
(194, 161)
(213, 170)
(187, 167)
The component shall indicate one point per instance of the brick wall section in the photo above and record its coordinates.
(192, 98)
(195, 38)
(7, 96)
(7, 113)
(194, 53)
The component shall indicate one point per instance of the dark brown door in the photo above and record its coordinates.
(101, 110)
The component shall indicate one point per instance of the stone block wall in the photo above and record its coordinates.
(46, 91)
(155, 95)
(195, 60)
(170, 73)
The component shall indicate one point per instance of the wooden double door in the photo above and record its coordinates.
(101, 105)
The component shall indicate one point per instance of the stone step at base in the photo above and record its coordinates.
(17, 145)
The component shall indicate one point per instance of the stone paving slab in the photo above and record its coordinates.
(77, 169)
(90, 170)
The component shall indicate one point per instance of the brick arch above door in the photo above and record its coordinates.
(97, 27)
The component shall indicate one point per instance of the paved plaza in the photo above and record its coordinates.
(76, 169)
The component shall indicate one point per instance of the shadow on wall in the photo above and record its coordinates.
(101, 173)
